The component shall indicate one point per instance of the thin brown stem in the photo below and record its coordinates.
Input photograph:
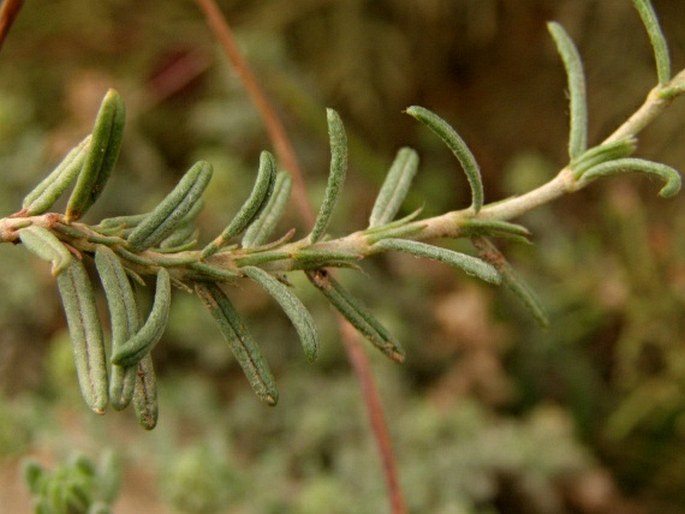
(222, 30)
(8, 13)
(360, 363)
(285, 152)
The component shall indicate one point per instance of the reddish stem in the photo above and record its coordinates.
(219, 25)
(374, 408)
(8, 13)
(355, 352)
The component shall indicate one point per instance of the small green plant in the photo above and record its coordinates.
(164, 242)
(76, 487)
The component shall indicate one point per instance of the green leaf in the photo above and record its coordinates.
(336, 177)
(261, 228)
(171, 211)
(262, 190)
(145, 394)
(103, 153)
(85, 330)
(495, 228)
(459, 148)
(216, 273)
(395, 187)
(124, 320)
(140, 344)
(513, 281)
(34, 475)
(656, 38)
(669, 175)
(602, 153)
(293, 308)
(470, 265)
(240, 340)
(46, 193)
(44, 244)
(577, 143)
(121, 222)
(354, 312)
(313, 258)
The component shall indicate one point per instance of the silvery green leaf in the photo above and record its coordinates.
(395, 187)
(459, 148)
(336, 176)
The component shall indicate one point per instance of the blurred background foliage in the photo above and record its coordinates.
(489, 414)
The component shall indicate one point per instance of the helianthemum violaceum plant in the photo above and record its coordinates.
(164, 242)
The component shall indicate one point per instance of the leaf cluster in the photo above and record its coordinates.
(77, 487)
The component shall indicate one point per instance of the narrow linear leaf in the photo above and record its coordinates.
(577, 142)
(44, 244)
(145, 394)
(293, 308)
(242, 344)
(400, 223)
(320, 257)
(276, 243)
(85, 330)
(459, 148)
(216, 273)
(669, 175)
(470, 265)
(182, 239)
(103, 153)
(354, 312)
(513, 281)
(124, 320)
(603, 153)
(133, 350)
(261, 228)
(46, 193)
(336, 177)
(495, 228)
(122, 381)
(171, 211)
(395, 187)
(262, 190)
(656, 38)
(674, 89)
(184, 236)
(121, 222)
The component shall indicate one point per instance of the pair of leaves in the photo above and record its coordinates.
(243, 346)
(257, 200)
(131, 375)
(90, 164)
(172, 210)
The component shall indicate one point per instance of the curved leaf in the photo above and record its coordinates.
(459, 148)
(336, 177)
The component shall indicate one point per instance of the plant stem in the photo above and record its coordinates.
(222, 30)
(360, 363)
(9, 10)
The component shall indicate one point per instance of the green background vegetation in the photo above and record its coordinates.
(489, 414)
